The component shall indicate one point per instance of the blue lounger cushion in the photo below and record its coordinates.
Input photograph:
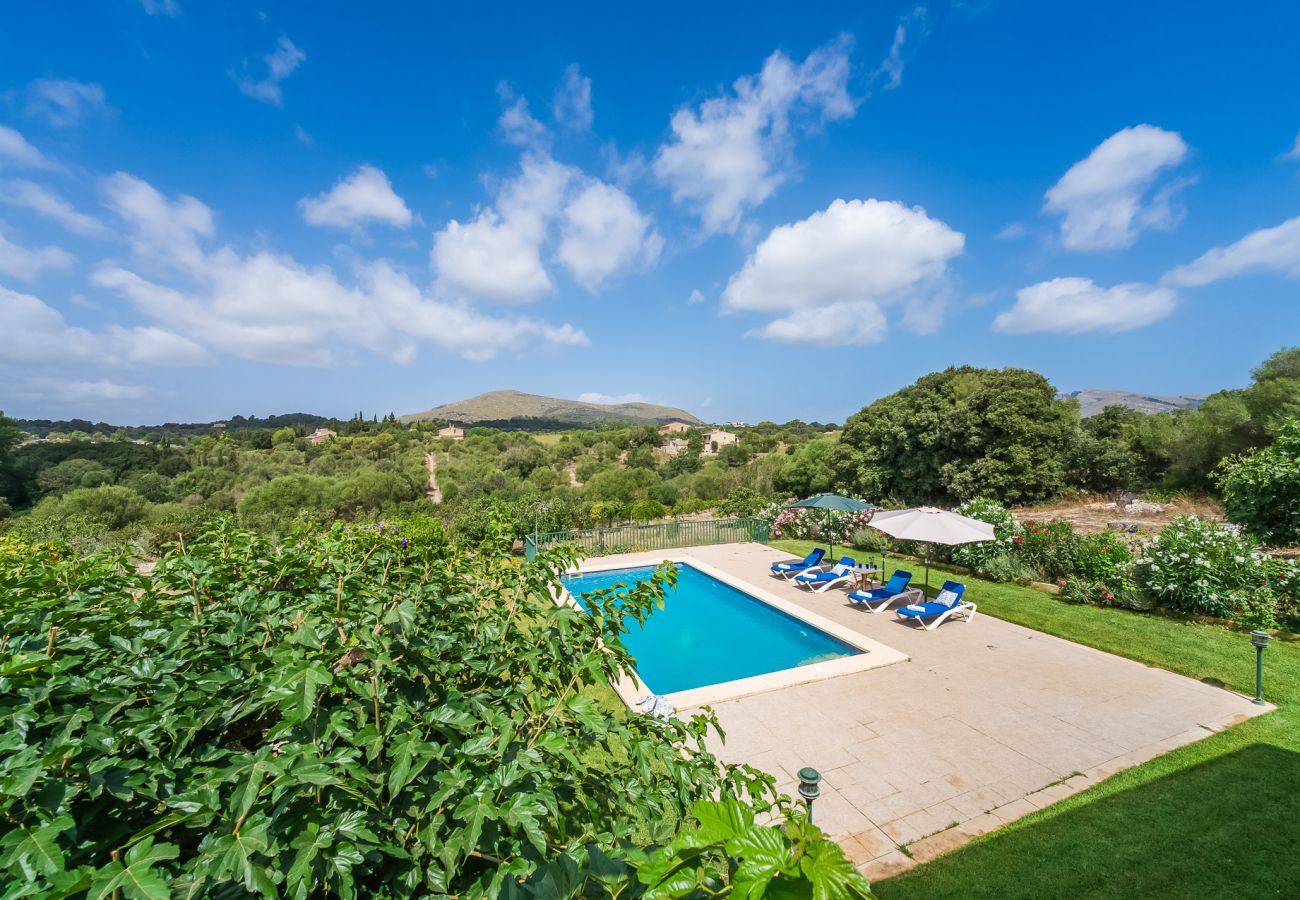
(810, 561)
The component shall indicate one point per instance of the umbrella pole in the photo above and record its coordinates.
(927, 577)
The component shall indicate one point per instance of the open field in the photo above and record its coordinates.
(1097, 512)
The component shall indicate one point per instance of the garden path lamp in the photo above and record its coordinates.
(1260, 640)
(808, 789)
(931, 526)
(830, 503)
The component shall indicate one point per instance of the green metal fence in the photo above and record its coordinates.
(659, 536)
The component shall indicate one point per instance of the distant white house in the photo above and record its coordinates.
(452, 432)
(715, 440)
(674, 428)
(320, 435)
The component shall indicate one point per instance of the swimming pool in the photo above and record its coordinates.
(710, 632)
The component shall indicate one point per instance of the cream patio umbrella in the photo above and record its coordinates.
(931, 526)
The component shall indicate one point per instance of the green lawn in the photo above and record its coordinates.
(1219, 818)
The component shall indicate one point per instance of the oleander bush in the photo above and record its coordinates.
(1202, 567)
(1005, 529)
(357, 711)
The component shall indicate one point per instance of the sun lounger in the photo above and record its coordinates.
(948, 603)
(788, 570)
(879, 599)
(820, 581)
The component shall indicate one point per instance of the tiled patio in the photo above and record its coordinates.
(987, 722)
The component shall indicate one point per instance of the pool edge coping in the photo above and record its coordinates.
(872, 655)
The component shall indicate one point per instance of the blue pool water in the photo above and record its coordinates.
(709, 632)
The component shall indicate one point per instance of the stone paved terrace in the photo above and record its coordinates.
(987, 722)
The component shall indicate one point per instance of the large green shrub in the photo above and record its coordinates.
(1005, 528)
(1198, 566)
(1102, 556)
(1048, 546)
(1261, 491)
(343, 715)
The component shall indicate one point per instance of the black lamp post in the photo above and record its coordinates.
(1260, 640)
(808, 789)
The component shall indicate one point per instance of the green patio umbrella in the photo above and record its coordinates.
(831, 503)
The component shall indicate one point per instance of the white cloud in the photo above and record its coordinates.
(1275, 249)
(891, 67)
(26, 264)
(160, 7)
(603, 231)
(497, 256)
(1075, 305)
(517, 124)
(49, 340)
(304, 136)
(17, 152)
(64, 102)
(167, 230)
(695, 297)
(1106, 200)
(834, 272)
(572, 104)
(1294, 152)
(1012, 231)
(364, 196)
(268, 307)
(42, 201)
(839, 324)
(280, 64)
(732, 153)
(611, 399)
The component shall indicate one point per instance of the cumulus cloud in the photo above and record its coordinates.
(49, 340)
(364, 196)
(1110, 197)
(1075, 305)
(25, 264)
(695, 297)
(734, 151)
(42, 201)
(609, 399)
(64, 102)
(1275, 249)
(268, 307)
(572, 105)
(498, 256)
(16, 152)
(280, 64)
(833, 273)
(602, 232)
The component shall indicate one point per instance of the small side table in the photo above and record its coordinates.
(864, 573)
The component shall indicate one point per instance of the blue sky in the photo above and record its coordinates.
(757, 211)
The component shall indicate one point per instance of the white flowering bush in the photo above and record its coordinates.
(1005, 530)
(1198, 566)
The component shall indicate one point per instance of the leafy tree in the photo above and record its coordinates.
(110, 506)
(351, 713)
(283, 437)
(807, 470)
(1105, 456)
(1285, 363)
(1261, 491)
(72, 473)
(960, 433)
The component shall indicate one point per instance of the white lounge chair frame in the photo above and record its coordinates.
(818, 587)
(965, 607)
(885, 602)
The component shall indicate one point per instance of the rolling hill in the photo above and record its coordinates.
(511, 406)
(1094, 400)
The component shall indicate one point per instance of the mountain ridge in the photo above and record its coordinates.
(502, 406)
(1094, 400)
